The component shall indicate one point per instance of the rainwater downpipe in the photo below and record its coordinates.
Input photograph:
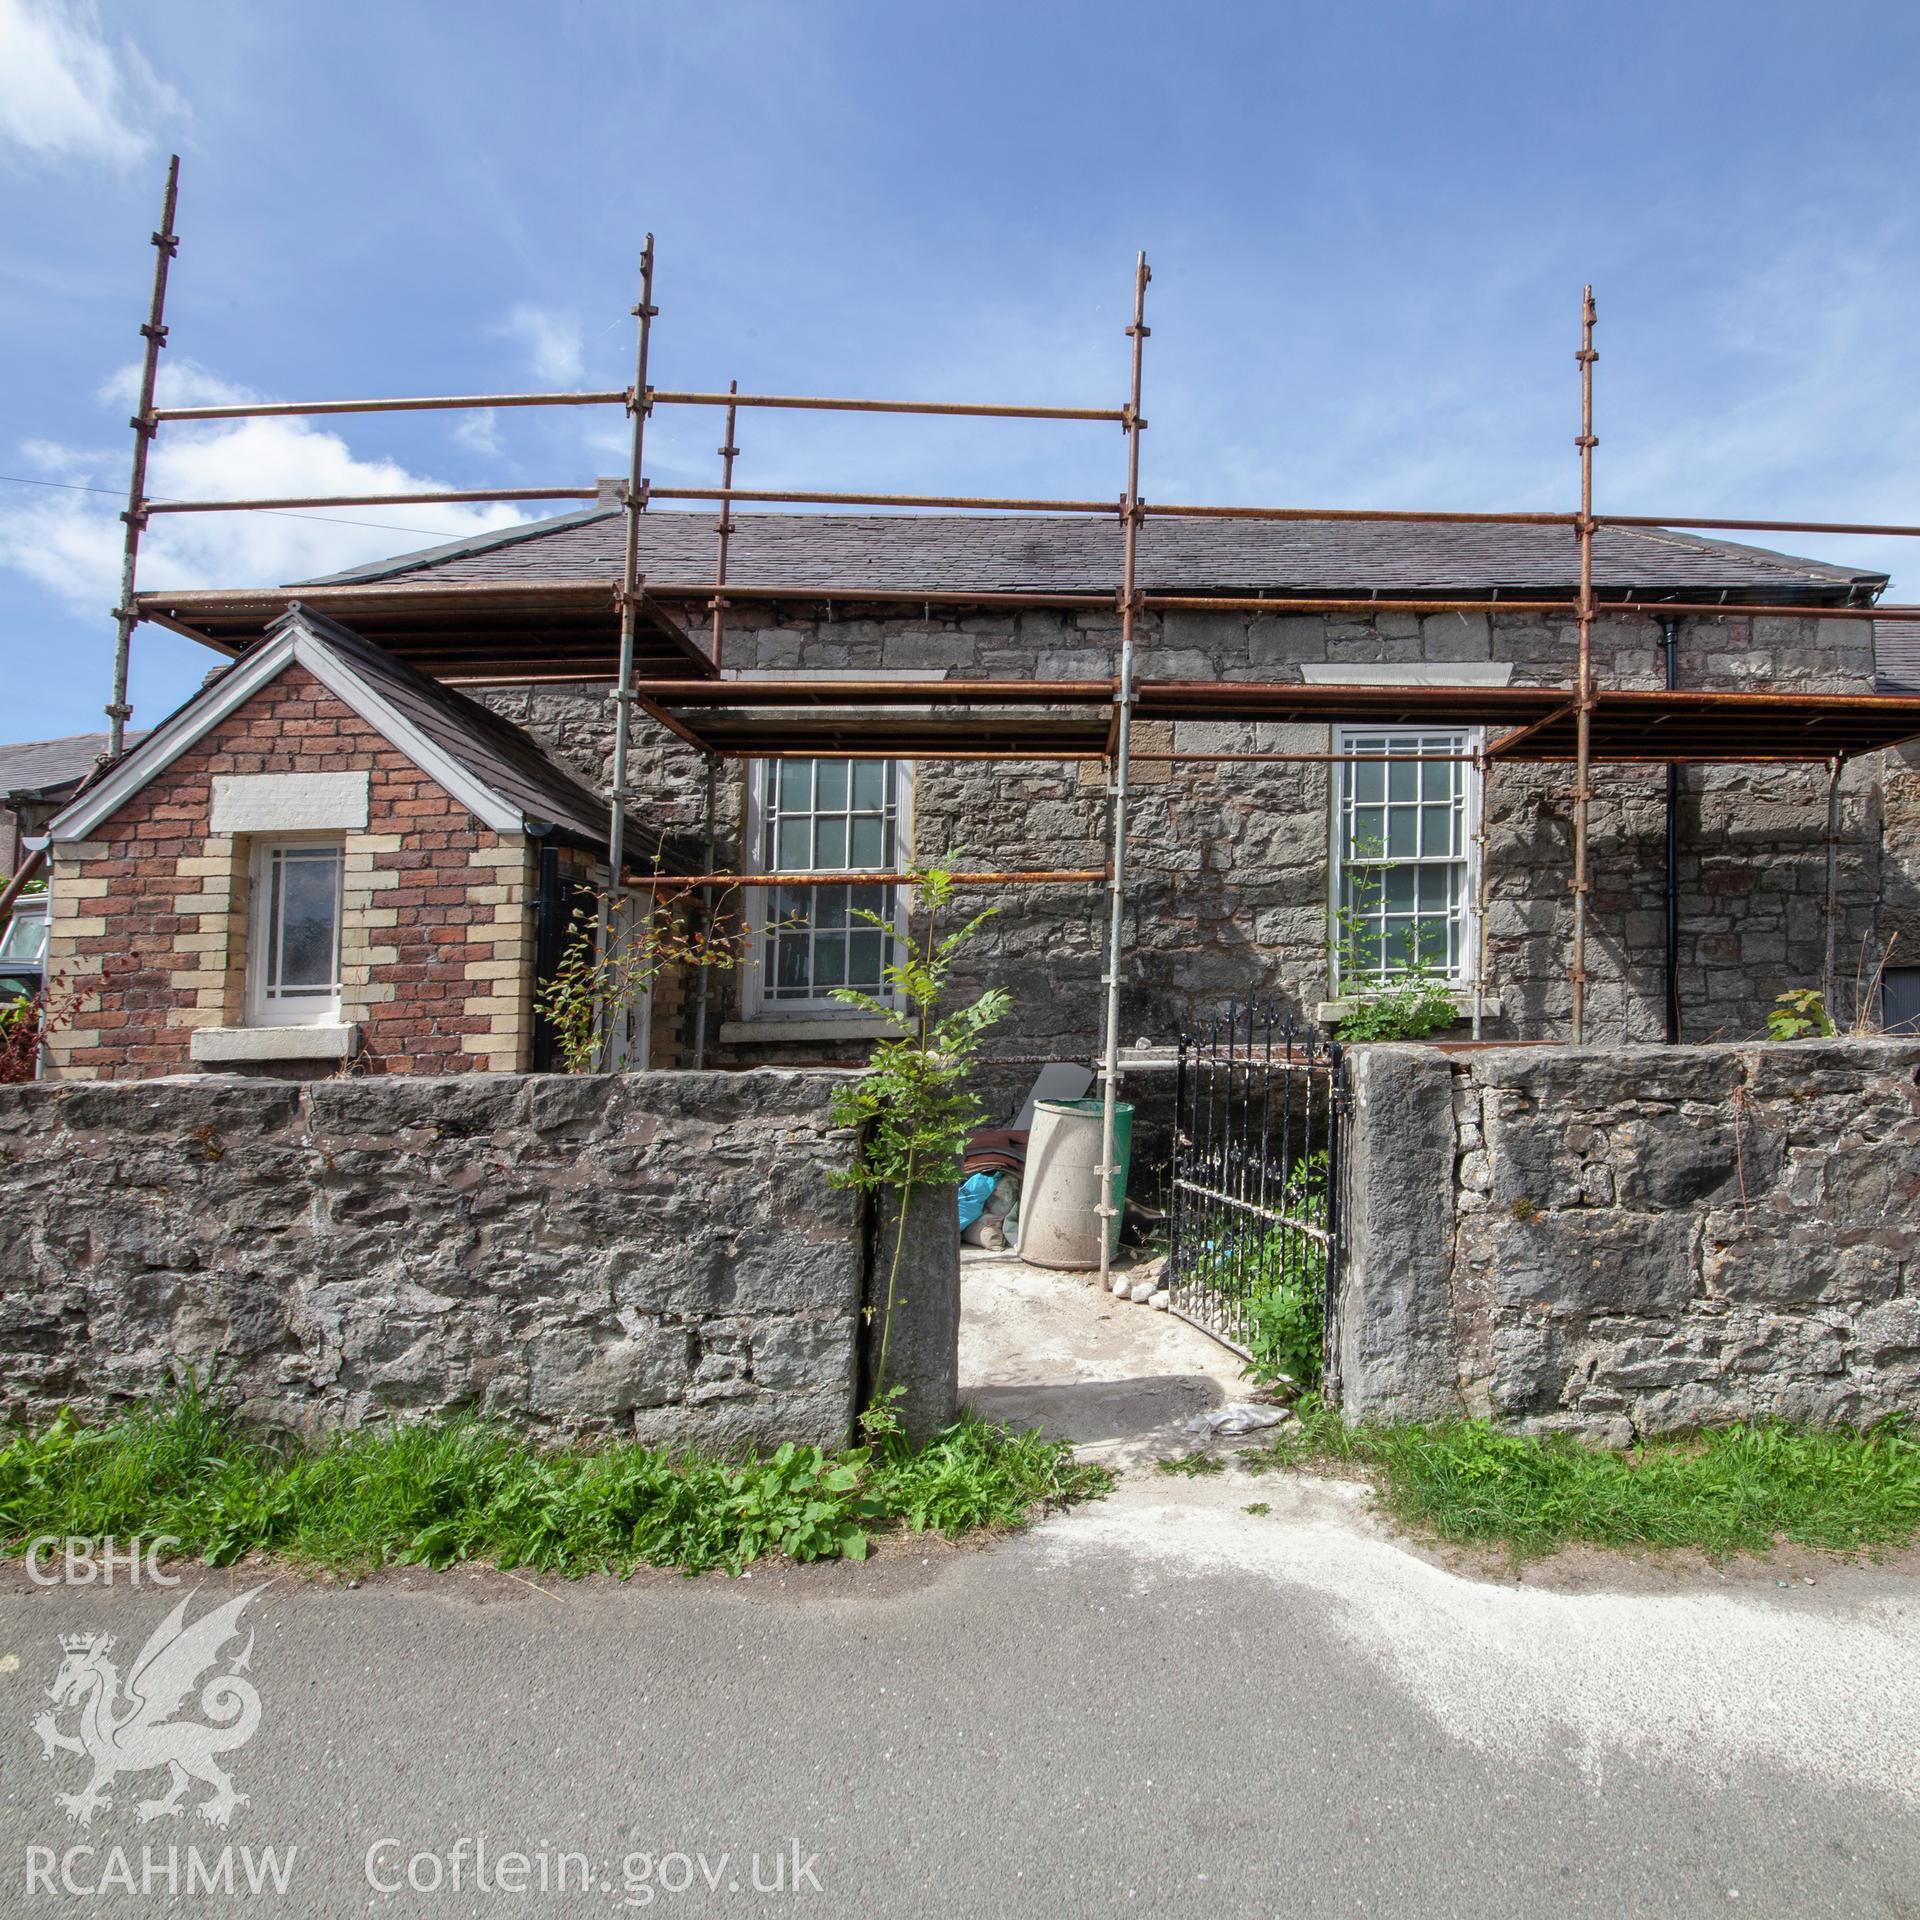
(1670, 635)
(549, 934)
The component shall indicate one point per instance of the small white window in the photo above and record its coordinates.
(1403, 855)
(293, 949)
(25, 938)
(826, 816)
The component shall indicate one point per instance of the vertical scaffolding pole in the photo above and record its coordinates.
(1830, 957)
(166, 243)
(634, 499)
(1131, 516)
(1670, 640)
(1482, 884)
(1583, 703)
(716, 647)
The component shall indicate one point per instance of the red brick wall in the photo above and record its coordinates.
(144, 931)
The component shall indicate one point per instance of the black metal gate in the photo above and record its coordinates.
(1255, 1209)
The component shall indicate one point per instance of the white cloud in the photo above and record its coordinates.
(69, 542)
(479, 433)
(66, 93)
(551, 340)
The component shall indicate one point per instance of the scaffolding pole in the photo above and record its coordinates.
(716, 647)
(1583, 696)
(1827, 983)
(1482, 889)
(634, 500)
(126, 614)
(1131, 517)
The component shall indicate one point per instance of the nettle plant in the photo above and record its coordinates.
(913, 1107)
(593, 988)
(1409, 1001)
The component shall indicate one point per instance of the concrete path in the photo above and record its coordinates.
(1118, 1378)
(1162, 1704)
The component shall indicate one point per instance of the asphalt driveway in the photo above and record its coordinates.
(1160, 1705)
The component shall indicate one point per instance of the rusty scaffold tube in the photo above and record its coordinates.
(633, 500)
(1583, 693)
(145, 423)
(974, 503)
(716, 647)
(460, 496)
(1118, 767)
(842, 876)
(818, 403)
(423, 403)
(1434, 516)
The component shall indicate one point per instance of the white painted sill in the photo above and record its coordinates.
(237, 1046)
(826, 1026)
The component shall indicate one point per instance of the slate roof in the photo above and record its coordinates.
(35, 766)
(509, 779)
(1062, 553)
(495, 751)
(1896, 656)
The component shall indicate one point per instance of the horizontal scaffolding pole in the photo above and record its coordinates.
(844, 877)
(971, 501)
(827, 694)
(455, 402)
(462, 496)
(813, 403)
(427, 403)
(1078, 601)
(1755, 526)
(1423, 517)
(1221, 757)
(1350, 603)
(1759, 611)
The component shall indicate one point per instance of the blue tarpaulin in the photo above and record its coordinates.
(975, 1192)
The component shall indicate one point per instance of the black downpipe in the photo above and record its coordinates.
(1670, 634)
(549, 931)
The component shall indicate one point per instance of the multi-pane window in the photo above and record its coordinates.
(1402, 853)
(294, 951)
(827, 816)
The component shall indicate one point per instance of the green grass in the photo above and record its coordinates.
(1738, 1490)
(461, 1490)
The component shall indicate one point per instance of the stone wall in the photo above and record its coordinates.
(650, 1254)
(1635, 1241)
(1229, 893)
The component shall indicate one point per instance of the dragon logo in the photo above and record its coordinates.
(135, 1730)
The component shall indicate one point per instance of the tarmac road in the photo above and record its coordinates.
(1159, 1705)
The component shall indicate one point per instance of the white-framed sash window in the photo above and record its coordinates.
(827, 815)
(293, 942)
(1402, 872)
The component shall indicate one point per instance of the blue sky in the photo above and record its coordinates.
(1369, 226)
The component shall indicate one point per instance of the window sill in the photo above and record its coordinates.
(232, 1046)
(1327, 1012)
(776, 1030)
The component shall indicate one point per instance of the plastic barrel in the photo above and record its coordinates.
(1058, 1224)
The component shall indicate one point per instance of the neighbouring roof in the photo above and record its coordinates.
(1896, 656)
(35, 768)
(502, 774)
(1079, 553)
